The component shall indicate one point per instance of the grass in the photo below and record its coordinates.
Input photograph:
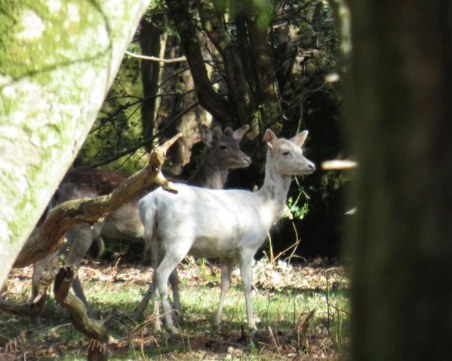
(302, 313)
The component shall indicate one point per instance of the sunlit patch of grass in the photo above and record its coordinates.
(105, 296)
(280, 311)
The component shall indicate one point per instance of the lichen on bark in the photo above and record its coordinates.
(57, 62)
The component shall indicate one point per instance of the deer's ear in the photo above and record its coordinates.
(206, 135)
(239, 133)
(300, 138)
(217, 134)
(269, 138)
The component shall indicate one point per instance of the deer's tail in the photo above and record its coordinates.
(148, 210)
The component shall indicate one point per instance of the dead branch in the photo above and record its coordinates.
(155, 58)
(302, 326)
(94, 329)
(34, 307)
(30, 309)
(61, 219)
(91, 210)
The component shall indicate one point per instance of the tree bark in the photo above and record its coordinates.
(208, 98)
(150, 42)
(236, 77)
(267, 95)
(399, 113)
(57, 62)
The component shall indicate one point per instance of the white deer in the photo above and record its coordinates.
(222, 154)
(227, 224)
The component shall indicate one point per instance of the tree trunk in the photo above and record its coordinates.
(267, 94)
(150, 41)
(208, 98)
(238, 87)
(400, 112)
(57, 62)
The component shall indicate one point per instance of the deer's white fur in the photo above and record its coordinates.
(223, 154)
(227, 224)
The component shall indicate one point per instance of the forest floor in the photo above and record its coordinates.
(302, 310)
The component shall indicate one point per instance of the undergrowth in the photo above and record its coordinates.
(302, 312)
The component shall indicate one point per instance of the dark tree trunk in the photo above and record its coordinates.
(236, 77)
(208, 98)
(150, 34)
(267, 88)
(400, 113)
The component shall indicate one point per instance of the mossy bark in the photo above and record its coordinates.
(57, 61)
(399, 115)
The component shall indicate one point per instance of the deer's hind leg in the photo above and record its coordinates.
(170, 259)
(226, 270)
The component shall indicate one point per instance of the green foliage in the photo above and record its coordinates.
(297, 208)
(262, 10)
(118, 126)
(331, 182)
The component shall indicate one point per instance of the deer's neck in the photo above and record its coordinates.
(210, 176)
(274, 192)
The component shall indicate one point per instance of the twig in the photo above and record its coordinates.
(302, 326)
(294, 246)
(275, 343)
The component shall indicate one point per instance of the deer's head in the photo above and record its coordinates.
(286, 155)
(226, 148)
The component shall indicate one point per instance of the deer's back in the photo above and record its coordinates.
(214, 222)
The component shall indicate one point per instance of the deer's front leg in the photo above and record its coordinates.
(246, 261)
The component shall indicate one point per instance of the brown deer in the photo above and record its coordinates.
(223, 153)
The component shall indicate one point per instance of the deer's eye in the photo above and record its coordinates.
(286, 153)
(223, 147)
